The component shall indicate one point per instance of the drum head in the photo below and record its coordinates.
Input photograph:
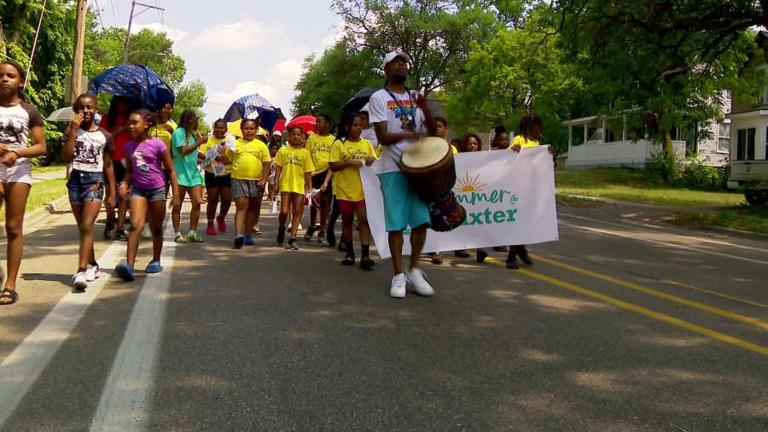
(425, 152)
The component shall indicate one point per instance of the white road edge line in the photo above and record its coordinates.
(23, 366)
(126, 396)
(659, 230)
(674, 245)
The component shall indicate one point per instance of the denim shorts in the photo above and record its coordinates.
(158, 194)
(85, 186)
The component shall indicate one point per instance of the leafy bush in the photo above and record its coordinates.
(664, 168)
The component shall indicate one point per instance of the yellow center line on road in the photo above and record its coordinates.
(641, 310)
(690, 303)
(714, 293)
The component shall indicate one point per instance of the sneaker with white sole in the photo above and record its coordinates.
(79, 282)
(419, 284)
(92, 272)
(398, 286)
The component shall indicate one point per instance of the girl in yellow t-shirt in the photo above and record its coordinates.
(530, 132)
(348, 154)
(293, 171)
(250, 171)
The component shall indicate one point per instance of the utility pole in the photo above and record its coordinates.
(130, 23)
(77, 56)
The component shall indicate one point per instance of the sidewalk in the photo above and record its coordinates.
(53, 174)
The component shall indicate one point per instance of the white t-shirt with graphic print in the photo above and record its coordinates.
(383, 108)
(16, 122)
(90, 147)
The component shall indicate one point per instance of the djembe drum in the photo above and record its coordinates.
(429, 167)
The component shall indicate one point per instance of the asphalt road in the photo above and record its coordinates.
(624, 324)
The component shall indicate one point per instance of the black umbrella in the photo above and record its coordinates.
(359, 100)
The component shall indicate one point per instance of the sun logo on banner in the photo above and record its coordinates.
(469, 184)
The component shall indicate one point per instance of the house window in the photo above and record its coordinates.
(577, 138)
(723, 137)
(745, 144)
(594, 134)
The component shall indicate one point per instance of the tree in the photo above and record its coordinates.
(53, 58)
(191, 95)
(328, 82)
(672, 58)
(436, 34)
(152, 49)
(515, 72)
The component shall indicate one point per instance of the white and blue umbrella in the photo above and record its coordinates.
(252, 106)
(135, 81)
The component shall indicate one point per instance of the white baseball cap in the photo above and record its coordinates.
(393, 55)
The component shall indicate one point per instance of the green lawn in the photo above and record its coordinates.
(42, 193)
(45, 169)
(631, 185)
(745, 218)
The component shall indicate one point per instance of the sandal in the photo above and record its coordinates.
(8, 297)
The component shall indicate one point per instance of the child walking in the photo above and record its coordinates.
(21, 137)
(530, 133)
(218, 176)
(250, 170)
(88, 150)
(144, 185)
(185, 142)
(348, 153)
(116, 123)
(293, 169)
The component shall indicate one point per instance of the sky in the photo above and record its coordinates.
(238, 47)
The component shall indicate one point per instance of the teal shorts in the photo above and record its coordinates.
(402, 207)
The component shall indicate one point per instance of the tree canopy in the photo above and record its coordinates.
(664, 63)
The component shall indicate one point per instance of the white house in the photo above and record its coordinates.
(749, 138)
(607, 142)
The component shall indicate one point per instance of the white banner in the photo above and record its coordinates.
(509, 198)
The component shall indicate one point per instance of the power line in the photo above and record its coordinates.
(114, 14)
(98, 13)
(160, 13)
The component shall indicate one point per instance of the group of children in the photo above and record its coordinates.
(162, 157)
(133, 159)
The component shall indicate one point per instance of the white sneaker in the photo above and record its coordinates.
(79, 282)
(398, 286)
(418, 283)
(92, 272)
(145, 233)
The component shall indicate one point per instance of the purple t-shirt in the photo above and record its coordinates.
(146, 161)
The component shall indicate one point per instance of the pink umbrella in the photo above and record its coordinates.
(306, 123)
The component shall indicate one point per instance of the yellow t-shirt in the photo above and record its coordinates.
(248, 158)
(346, 183)
(224, 161)
(454, 149)
(295, 163)
(522, 142)
(320, 149)
(162, 134)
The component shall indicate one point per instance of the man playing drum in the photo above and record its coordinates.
(400, 116)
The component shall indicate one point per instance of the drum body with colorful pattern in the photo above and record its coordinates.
(429, 166)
